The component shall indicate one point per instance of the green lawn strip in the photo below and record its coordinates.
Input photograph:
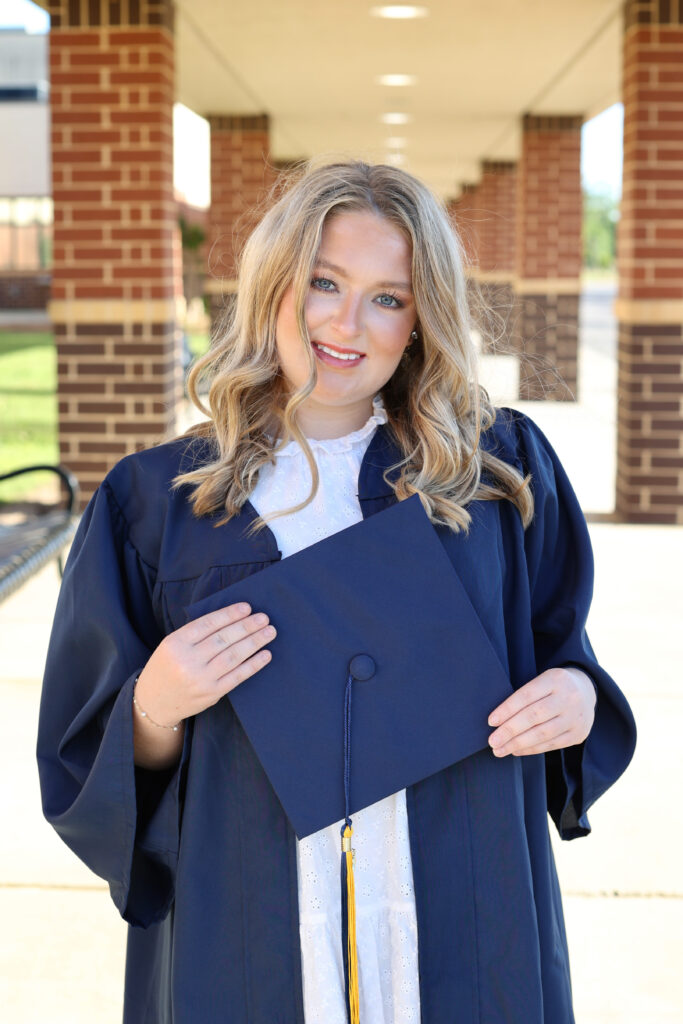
(28, 411)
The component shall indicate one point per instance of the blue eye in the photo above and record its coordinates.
(323, 284)
(393, 303)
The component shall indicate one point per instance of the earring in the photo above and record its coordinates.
(414, 335)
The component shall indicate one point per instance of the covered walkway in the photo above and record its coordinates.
(485, 102)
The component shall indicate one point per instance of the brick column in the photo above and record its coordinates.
(549, 255)
(497, 208)
(650, 255)
(113, 280)
(240, 177)
(464, 215)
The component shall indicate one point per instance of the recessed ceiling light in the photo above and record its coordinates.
(395, 118)
(396, 80)
(395, 142)
(397, 159)
(399, 11)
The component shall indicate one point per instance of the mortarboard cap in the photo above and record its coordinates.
(380, 602)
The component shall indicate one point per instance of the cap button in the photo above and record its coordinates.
(362, 667)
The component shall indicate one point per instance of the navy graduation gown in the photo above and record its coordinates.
(201, 860)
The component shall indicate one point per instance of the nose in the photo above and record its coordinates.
(347, 320)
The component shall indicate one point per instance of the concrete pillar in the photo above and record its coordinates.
(549, 255)
(496, 229)
(240, 177)
(650, 259)
(114, 284)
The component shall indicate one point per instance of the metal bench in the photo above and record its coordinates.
(29, 543)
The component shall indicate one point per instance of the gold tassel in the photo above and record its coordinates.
(352, 951)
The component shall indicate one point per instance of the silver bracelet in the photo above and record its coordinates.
(143, 714)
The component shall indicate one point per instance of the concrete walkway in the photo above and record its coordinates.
(24, 320)
(62, 945)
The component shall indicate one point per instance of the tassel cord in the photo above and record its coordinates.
(348, 894)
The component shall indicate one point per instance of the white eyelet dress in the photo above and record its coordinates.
(386, 925)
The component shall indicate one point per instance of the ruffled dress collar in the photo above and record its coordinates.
(333, 445)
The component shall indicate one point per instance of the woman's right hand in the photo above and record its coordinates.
(190, 670)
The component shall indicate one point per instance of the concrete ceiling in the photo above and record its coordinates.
(312, 66)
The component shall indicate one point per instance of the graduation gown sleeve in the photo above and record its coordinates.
(560, 567)
(121, 821)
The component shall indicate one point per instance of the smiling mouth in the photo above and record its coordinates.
(338, 356)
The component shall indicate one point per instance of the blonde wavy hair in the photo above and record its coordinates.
(435, 406)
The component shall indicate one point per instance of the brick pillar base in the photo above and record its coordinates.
(650, 254)
(240, 177)
(114, 284)
(650, 423)
(549, 256)
(547, 325)
(118, 388)
(495, 312)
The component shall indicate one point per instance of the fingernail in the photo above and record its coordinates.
(493, 719)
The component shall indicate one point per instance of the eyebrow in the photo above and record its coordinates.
(405, 286)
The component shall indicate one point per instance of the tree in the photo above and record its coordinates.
(600, 216)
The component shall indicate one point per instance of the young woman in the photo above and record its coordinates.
(343, 383)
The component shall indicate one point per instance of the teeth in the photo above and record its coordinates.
(337, 355)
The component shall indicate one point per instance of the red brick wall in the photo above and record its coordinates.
(497, 201)
(651, 228)
(114, 280)
(240, 176)
(492, 290)
(548, 256)
(112, 154)
(465, 217)
(549, 198)
(650, 254)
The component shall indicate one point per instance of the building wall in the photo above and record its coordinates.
(28, 127)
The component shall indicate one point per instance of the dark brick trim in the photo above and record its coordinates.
(652, 12)
(498, 166)
(238, 122)
(111, 13)
(649, 424)
(552, 122)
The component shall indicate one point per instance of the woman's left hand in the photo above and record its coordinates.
(553, 710)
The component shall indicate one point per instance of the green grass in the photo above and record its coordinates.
(28, 409)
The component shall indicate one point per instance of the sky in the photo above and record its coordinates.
(601, 143)
(23, 14)
(601, 151)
